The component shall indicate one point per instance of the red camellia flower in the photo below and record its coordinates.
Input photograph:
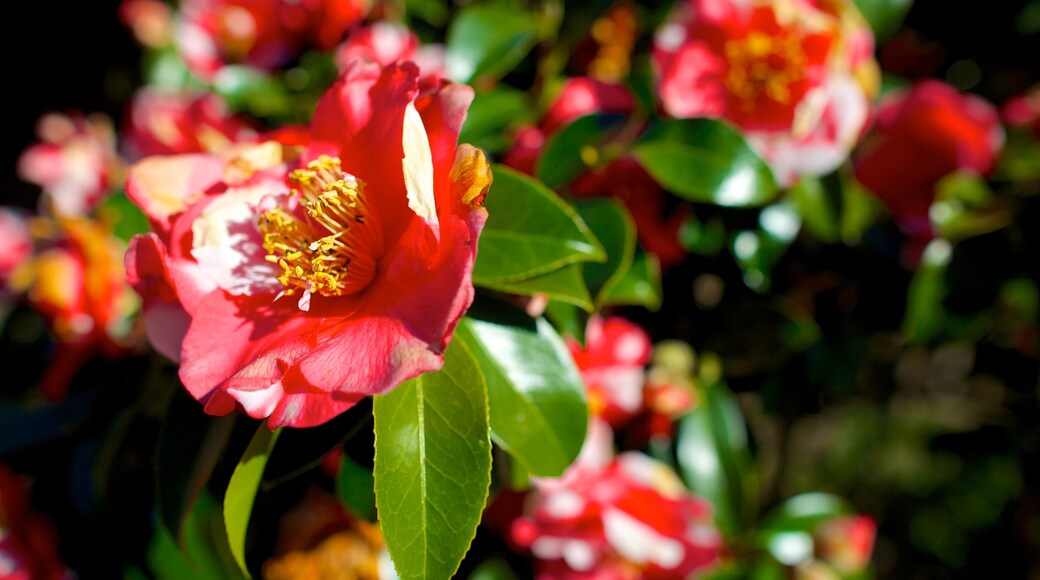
(295, 286)
(167, 123)
(619, 518)
(74, 162)
(923, 134)
(261, 33)
(611, 364)
(794, 75)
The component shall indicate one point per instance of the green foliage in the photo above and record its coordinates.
(713, 454)
(705, 160)
(433, 465)
(535, 394)
(577, 147)
(242, 489)
(530, 231)
(488, 40)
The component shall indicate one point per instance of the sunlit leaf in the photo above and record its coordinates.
(433, 465)
(535, 393)
(241, 492)
(530, 231)
(565, 284)
(705, 160)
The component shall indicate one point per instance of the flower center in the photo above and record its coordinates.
(762, 64)
(325, 249)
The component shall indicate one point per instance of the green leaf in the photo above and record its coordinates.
(493, 570)
(490, 113)
(575, 148)
(614, 228)
(241, 491)
(355, 487)
(300, 450)
(205, 553)
(787, 532)
(126, 218)
(714, 459)
(253, 90)
(820, 216)
(965, 206)
(639, 286)
(535, 393)
(884, 16)
(705, 160)
(529, 231)
(436, 13)
(567, 318)
(565, 284)
(704, 238)
(925, 314)
(488, 40)
(433, 465)
(190, 444)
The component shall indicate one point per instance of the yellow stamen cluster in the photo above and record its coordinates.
(318, 253)
(761, 64)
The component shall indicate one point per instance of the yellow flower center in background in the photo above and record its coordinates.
(324, 252)
(762, 64)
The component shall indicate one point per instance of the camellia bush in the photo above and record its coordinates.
(502, 289)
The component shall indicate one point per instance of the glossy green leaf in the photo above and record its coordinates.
(706, 160)
(639, 286)
(490, 113)
(615, 230)
(529, 231)
(355, 487)
(241, 491)
(190, 444)
(433, 465)
(576, 147)
(432, 11)
(714, 459)
(488, 40)
(565, 284)
(535, 393)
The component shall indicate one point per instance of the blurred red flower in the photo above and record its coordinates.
(75, 162)
(168, 123)
(15, 245)
(612, 366)
(794, 75)
(1024, 110)
(625, 517)
(296, 287)
(923, 134)
(77, 284)
(261, 33)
